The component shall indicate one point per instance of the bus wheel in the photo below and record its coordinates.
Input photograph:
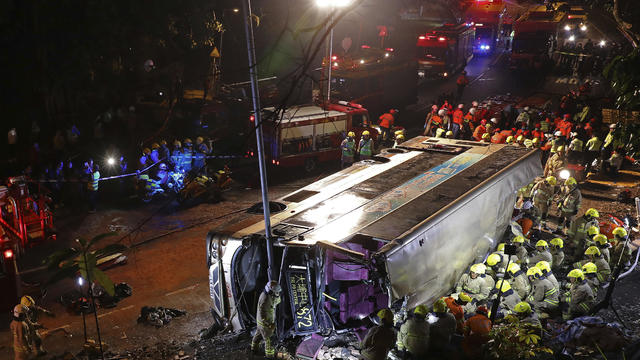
(310, 164)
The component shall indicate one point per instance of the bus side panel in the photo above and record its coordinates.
(436, 253)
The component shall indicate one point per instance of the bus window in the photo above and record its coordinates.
(360, 120)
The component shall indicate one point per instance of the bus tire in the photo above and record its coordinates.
(310, 164)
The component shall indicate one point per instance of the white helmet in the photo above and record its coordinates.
(526, 108)
(557, 133)
(441, 112)
(474, 103)
(494, 120)
(273, 287)
(472, 111)
(460, 106)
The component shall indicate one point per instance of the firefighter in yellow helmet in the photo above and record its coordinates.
(545, 267)
(510, 140)
(442, 329)
(603, 245)
(348, 147)
(542, 193)
(176, 155)
(592, 232)
(592, 254)
(518, 280)
(544, 296)
(486, 137)
(569, 204)
(32, 312)
(521, 251)
(509, 298)
(578, 230)
(496, 265)
(579, 298)
(399, 140)
(265, 318)
(555, 163)
(380, 339)
(557, 254)
(622, 250)
(365, 146)
(473, 284)
(413, 337)
(20, 332)
(590, 271)
(541, 254)
(527, 317)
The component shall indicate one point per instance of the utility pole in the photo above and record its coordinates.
(253, 78)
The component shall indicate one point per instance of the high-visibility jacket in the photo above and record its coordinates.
(580, 298)
(414, 337)
(520, 283)
(440, 132)
(186, 158)
(523, 117)
(365, 147)
(348, 149)
(604, 271)
(542, 192)
(544, 255)
(576, 145)
(571, 200)
(386, 120)
(266, 311)
(545, 126)
(544, 296)
(593, 282)
(558, 257)
(92, 185)
(478, 132)
(176, 158)
(551, 277)
(594, 144)
(473, 287)
(554, 164)
(578, 230)
(458, 116)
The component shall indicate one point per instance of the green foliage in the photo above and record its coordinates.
(511, 340)
(83, 260)
(624, 74)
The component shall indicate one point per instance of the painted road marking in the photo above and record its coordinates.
(115, 311)
(182, 290)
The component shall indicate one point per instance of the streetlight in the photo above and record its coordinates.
(332, 5)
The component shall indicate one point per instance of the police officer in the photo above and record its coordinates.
(413, 336)
(569, 204)
(365, 146)
(380, 339)
(265, 318)
(518, 280)
(348, 149)
(579, 298)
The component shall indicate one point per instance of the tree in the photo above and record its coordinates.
(624, 74)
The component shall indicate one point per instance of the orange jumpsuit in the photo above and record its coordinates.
(476, 334)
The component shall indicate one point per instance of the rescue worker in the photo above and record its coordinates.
(176, 155)
(593, 147)
(528, 317)
(593, 255)
(518, 280)
(348, 149)
(622, 251)
(544, 296)
(162, 175)
(509, 140)
(509, 298)
(365, 146)
(578, 229)
(592, 232)
(380, 339)
(200, 154)
(461, 82)
(187, 155)
(449, 134)
(541, 254)
(613, 164)
(590, 271)
(145, 159)
(480, 130)
(603, 245)
(155, 153)
(472, 283)
(440, 132)
(431, 121)
(495, 265)
(542, 194)
(20, 332)
(265, 319)
(457, 121)
(557, 254)
(576, 147)
(579, 298)
(521, 251)
(524, 117)
(476, 333)
(486, 137)
(456, 305)
(165, 153)
(520, 140)
(92, 187)
(442, 329)
(535, 142)
(506, 260)
(386, 123)
(545, 267)
(399, 140)
(32, 312)
(413, 337)
(555, 163)
(611, 142)
(569, 204)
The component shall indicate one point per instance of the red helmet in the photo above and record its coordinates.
(483, 122)
(566, 116)
(392, 111)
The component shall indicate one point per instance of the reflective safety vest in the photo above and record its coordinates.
(365, 147)
(544, 126)
(92, 185)
(348, 146)
(594, 144)
(440, 132)
(576, 145)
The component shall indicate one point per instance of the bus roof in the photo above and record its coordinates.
(304, 113)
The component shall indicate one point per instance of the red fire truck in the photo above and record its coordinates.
(486, 16)
(535, 37)
(445, 50)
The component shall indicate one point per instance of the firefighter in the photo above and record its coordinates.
(555, 163)
(590, 271)
(578, 229)
(545, 267)
(20, 332)
(579, 298)
(386, 123)
(456, 305)
(441, 331)
(187, 155)
(527, 317)
(380, 339)
(495, 265)
(176, 155)
(476, 333)
(486, 137)
(162, 175)
(92, 187)
(32, 312)
(603, 245)
(155, 153)
(472, 283)
(593, 255)
(509, 298)
(449, 134)
(458, 120)
(348, 149)
(165, 153)
(399, 140)
(576, 147)
(521, 251)
(542, 193)
(145, 159)
(569, 204)
(557, 254)
(265, 318)
(613, 164)
(544, 296)
(440, 132)
(524, 118)
(593, 147)
(200, 154)
(432, 120)
(622, 251)
(518, 280)
(461, 83)
(505, 258)
(413, 337)
(365, 146)
(509, 140)
(541, 254)
(480, 130)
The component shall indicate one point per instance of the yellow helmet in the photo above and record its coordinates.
(551, 180)
(570, 181)
(27, 301)
(513, 268)
(400, 137)
(146, 151)
(503, 284)
(619, 232)
(163, 142)
(558, 242)
(542, 243)
(601, 239)
(351, 134)
(522, 307)
(199, 140)
(486, 136)
(535, 272)
(593, 213)
(494, 259)
(589, 268)
(177, 143)
(543, 265)
(464, 297)
(478, 268)
(528, 143)
(187, 141)
(592, 250)
(421, 310)
(518, 239)
(509, 139)
(593, 230)
(398, 132)
(535, 140)
(385, 315)
(500, 247)
(155, 146)
(439, 306)
(365, 133)
(520, 138)
(576, 273)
